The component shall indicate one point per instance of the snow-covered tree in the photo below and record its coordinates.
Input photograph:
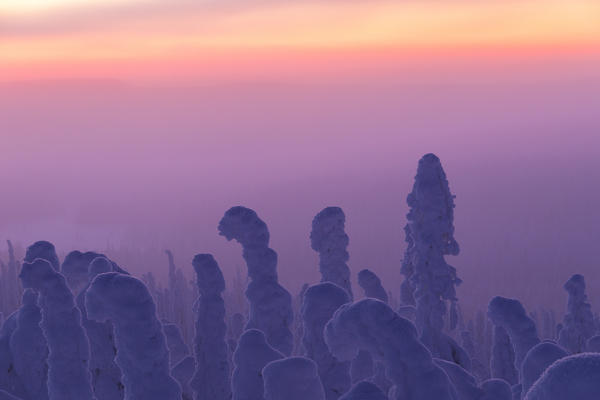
(510, 315)
(44, 250)
(371, 325)
(496, 389)
(251, 356)
(537, 360)
(593, 344)
(431, 230)
(9, 380)
(270, 304)
(362, 367)
(320, 303)
(211, 380)
(329, 239)
(69, 353)
(578, 325)
(371, 285)
(572, 377)
(29, 349)
(183, 372)
(293, 378)
(502, 364)
(364, 390)
(106, 375)
(142, 351)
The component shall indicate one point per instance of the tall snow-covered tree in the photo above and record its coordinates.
(502, 364)
(69, 352)
(578, 324)
(270, 304)
(431, 229)
(211, 380)
(106, 375)
(141, 346)
(329, 239)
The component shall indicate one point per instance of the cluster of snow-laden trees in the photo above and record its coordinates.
(85, 329)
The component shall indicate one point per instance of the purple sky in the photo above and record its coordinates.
(97, 163)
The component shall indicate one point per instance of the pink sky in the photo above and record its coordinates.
(126, 122)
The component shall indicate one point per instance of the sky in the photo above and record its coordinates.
(131, 126)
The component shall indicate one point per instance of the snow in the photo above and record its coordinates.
(329, 239)
(293, 378)
(431, 229)
(68, 369)
(496, 389)
(578, 324)
(270, 304)
(107, 379)
(320, 303)
(211, 379)
(142, 351)
(510, 315)
(502, 364)
(540, 357)
(572, 377)
(372, 325)
(29, 348)
(364, 391)
(251, 356)
(44, 250)
(371, 285)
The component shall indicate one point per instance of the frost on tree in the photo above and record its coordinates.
(572, 377)
(578, 324)
(320, 303)
(329, 239)
(407, 287)
(538, 358)
(371, 285)
(106, 375)
(496, 389)
(510, 315)
(251, 356)
(9, 380)
(270, 304)
(371, 325)
(211, 380)
(362, 366)
(364, 390)
(45, 251)
(293, 378)
(29, 349)
(75, 268)
(142, 351)
(502, 364)
(431, 230)
(68, 369)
